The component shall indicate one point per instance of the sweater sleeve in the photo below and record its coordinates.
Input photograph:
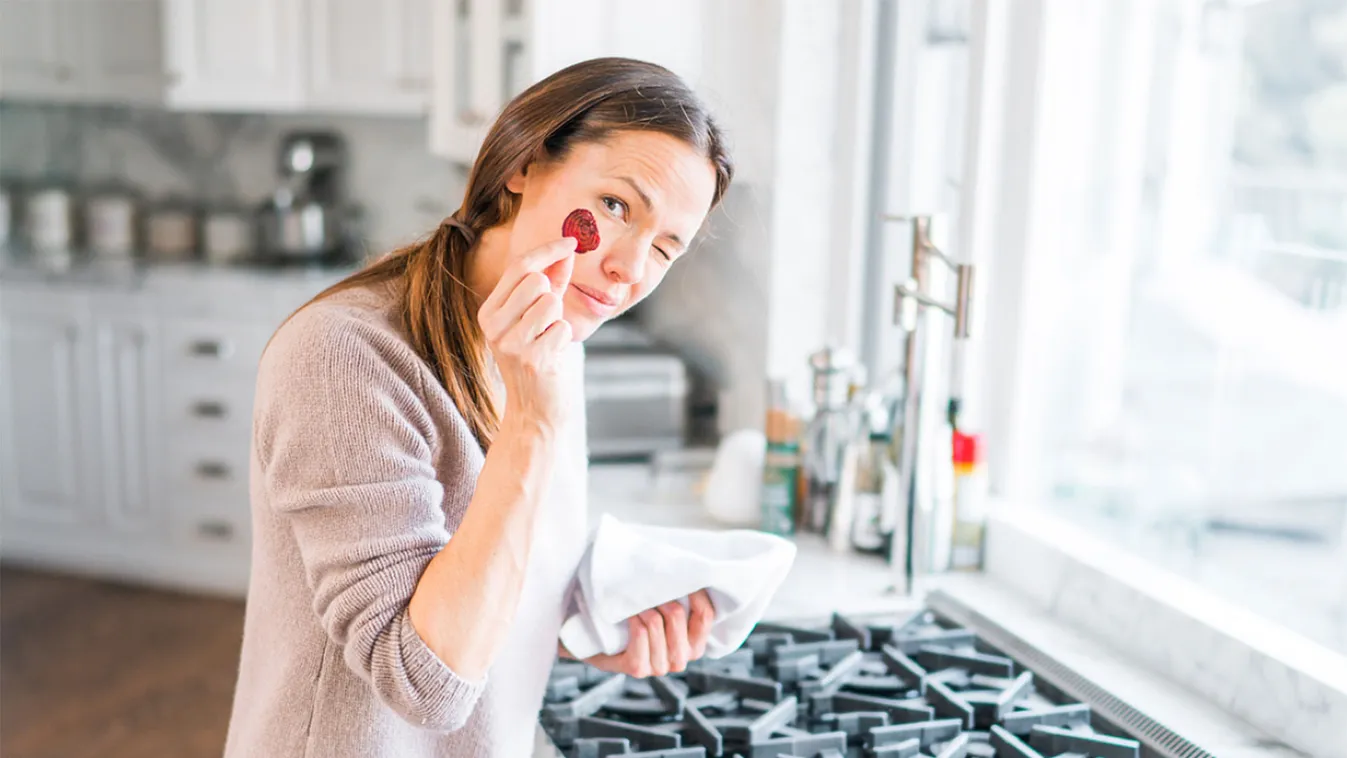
(345, 442)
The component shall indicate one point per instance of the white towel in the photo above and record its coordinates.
(628, 568)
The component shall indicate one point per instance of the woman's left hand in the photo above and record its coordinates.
(662, 640)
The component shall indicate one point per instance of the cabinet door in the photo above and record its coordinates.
(34, 56)
(128, 394)
(123, 57)
(234, 54)
(468, 58)
(44, 453)
(369, 57)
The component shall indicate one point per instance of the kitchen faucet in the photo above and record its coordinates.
(917, 553)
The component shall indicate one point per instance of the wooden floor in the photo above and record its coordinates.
(108, 671)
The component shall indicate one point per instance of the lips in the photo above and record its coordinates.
(581, 225)
(603, 297)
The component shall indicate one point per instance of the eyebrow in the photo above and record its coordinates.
(650, 206)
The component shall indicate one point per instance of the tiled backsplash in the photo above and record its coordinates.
(403, 189)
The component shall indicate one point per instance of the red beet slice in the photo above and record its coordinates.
(582, 226)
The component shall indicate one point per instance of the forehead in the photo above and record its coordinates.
(678, 178)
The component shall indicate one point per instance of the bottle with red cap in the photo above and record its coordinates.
(970, 513)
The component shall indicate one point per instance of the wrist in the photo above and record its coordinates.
(530, 426)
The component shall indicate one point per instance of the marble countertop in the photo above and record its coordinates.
(820, 581)
(129, 275)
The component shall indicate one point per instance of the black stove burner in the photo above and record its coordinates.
(922, 687)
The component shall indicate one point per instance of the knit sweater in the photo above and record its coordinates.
(362, 468)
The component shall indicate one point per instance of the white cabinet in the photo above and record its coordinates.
(126, 422)
(128, 391)
(46, 411)
(78, 442)
(34, 54)
(369, 56)
(122, 51)
(488, 51)
(81, 50)
(360, 56)
(469, 88)
(234, 54)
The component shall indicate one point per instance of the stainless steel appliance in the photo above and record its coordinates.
(930, 683)
(636, 394)
(307, 218)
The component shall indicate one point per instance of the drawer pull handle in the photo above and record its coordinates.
(216, 530)
(209, 409)
(210, 348)
(212, 470)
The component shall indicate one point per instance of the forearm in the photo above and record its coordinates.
(468, 595)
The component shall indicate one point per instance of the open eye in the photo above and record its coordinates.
(616, 207)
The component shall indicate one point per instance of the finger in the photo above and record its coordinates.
(537, 260)
(659, 645)
(701, 615)
(556, 337)
(605, 662)
(526, 292)
(559, 273)
(676, 633)
(637, 654)
(544, 312)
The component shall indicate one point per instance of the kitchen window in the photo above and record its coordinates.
(1155, 195)
(1184, 316)
(1161, 240)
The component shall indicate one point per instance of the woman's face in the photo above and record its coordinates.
(649, 193)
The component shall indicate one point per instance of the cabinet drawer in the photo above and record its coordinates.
(224, 522)
(206, 487)
(207, 467)
(206, 348)
(196, 407)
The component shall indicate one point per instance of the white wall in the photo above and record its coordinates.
(761, 292)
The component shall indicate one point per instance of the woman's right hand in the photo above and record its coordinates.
(523, 324)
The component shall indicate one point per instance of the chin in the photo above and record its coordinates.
(582, 326)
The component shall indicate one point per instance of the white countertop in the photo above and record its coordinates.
(820, 582)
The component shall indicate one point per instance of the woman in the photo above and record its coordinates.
(418, 453)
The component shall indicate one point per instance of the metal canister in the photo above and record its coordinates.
(171, 231)
(827, 435)
(49, 222)
(110, 216)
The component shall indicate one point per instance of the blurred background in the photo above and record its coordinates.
(1143, 205)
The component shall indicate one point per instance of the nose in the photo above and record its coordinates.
(625, 261)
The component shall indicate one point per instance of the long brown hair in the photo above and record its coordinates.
(585, 102)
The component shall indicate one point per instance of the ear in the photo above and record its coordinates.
(517, 182)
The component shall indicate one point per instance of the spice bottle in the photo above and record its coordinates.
(781, 465)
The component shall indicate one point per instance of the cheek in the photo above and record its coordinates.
(654, 274)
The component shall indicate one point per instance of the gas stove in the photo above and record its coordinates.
(893, 688)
